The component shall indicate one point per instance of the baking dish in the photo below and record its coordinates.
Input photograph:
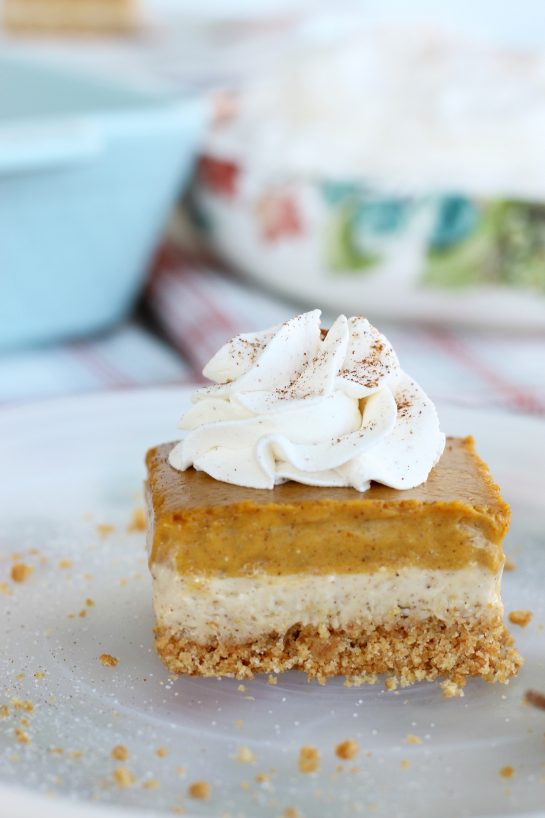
(89, 171)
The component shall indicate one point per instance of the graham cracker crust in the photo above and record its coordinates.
(412, 652)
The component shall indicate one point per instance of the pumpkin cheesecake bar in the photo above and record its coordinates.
(314, 518)
(331, 582)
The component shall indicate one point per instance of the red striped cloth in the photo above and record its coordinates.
(199, 308)
(128, 357)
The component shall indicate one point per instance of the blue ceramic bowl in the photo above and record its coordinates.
(88, 174)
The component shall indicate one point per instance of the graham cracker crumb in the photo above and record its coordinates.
(64, 565)
(414, 651)
(120, 752)
(151, 784)
(241, 688)
(245, 756)
(90, 602)
(291, 812)
(262, 778)
(411, 739)
(56, 751)
(20, 677)
(199, 790)
(272, 680)
(21, 736)
(391, 683)
(108, 660)
(521, 618)
(123, 777)
(5, 589)
(138, 520)
(76, 754)
(347, 749)
(360, 679)
(309, 760)
(405, 764)
(39, 674)
(507, 772)
(451, 689)
(20, 572)
(22, 704)
(535, 698)
(82, 613)
(509, 565)
(161, 752)
(103, 529)
(4, 711)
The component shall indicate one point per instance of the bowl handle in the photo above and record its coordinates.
(29, 146)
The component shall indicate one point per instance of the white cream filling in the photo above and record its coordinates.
(242, 608)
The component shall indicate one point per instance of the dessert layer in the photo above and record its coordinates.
(453, 520)
(415, 651)
(238, 609)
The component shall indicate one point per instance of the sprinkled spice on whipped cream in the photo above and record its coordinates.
(322, 408)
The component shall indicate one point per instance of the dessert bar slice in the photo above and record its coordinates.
(331, 580)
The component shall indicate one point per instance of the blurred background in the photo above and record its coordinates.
(173, 173)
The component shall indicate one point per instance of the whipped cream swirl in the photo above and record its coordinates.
(294, 403)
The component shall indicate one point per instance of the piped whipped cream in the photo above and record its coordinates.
(295, 403)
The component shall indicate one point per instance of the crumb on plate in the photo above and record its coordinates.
(103, 529)
(123, 777)
(22, 704)
(108, 660)
(535, 698)
(20, 572)
(347, 749)
(199, 790)
(451, 689)
(245, 756)
(21, 736)
(309, 760)
(521, 618)
(120, 752)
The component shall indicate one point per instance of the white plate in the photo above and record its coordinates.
(69, 466)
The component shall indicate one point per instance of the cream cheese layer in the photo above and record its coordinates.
(238, 609)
